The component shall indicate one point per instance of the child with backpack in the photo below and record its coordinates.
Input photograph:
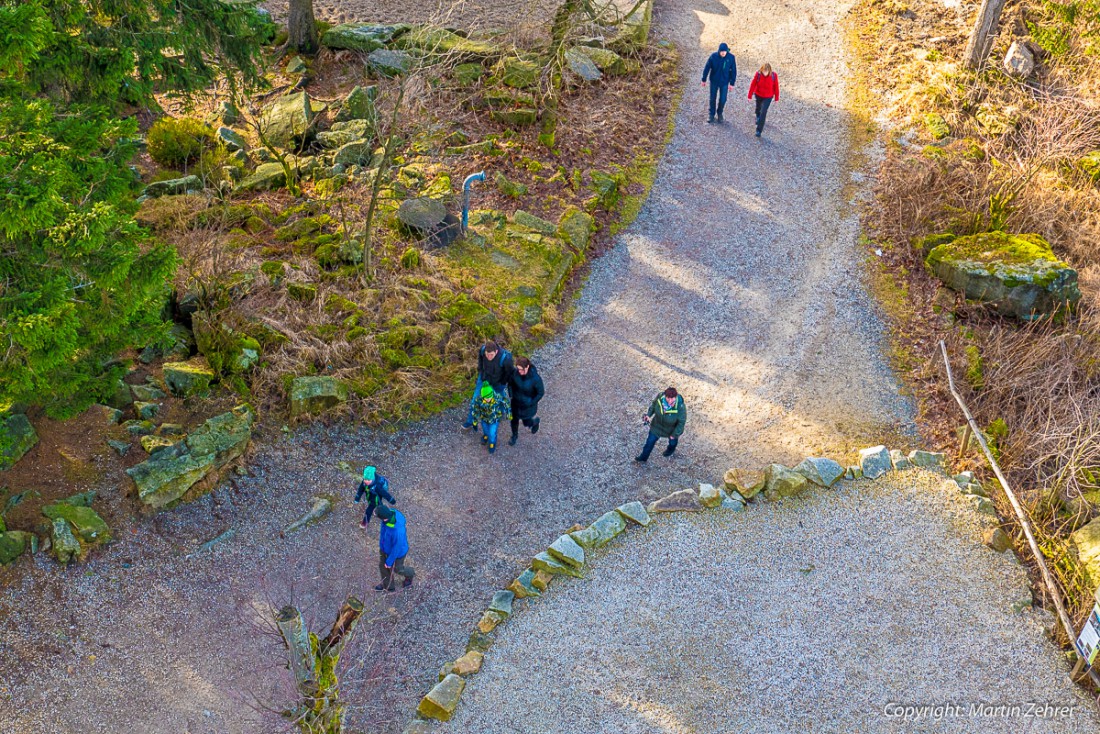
(765, 87)
(489, 409)
(376, 488)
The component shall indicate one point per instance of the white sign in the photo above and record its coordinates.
(1088, 642)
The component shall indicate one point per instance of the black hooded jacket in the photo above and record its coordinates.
(721, 70)
(497, 371)
(527, 391)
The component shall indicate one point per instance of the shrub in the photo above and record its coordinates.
(177, 141)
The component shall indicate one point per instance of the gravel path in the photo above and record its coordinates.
(823, 614)
(739, 283)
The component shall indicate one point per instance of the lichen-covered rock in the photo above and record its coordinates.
(635, 513)
(359, 105)
(422, 215)
(586, 537)
(1085, 544)
(1019, 61)
(267, 176)
(581, 64)
(232, 140)
(822, 472)
(441, 701)
(997, 539)
(468, 74)
(17, 437)
(355, 153)
(899, 460)
(162, 481)
(781, 481)
(64, 544)
(606, 60)
(568, 551)
(431, 40)
(288, 121)
(524, 586)
(173, 187)
(875, 461)
(388, 63)
(85, 522)
(185, 379)
(489, 621)
(546, 562)
(362, 36)
(518, 117)
(530, 221)
(517, 73)
(14, 543)
(1018, 275)
(709, 495)
(683, 501)
(146, 394)
(608, 526)
(152, 444)
(933, 461)
(315, 395)
(501, 603)
(575, 227)
(146, 411)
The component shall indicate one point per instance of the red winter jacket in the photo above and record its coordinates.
(765, 86)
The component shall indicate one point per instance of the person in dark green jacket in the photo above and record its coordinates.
(666, 418)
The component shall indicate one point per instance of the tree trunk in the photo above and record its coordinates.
(302, 27)
(981, 37)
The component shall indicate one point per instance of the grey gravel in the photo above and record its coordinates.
(815, 614)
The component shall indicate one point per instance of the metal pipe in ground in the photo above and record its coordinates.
(466, 184)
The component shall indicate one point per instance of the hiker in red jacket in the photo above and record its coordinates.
(765, 87)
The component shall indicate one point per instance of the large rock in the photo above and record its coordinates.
(518, 73)
(524, 586)
(546, 562)
(359, 105)
(430, 40)
(709, 495)
(173, 187)
(64, 544)
(14, 543)
(930, 460)
(441, 701)
(267, 176)
(1085, 544)
(185, 379)
(581, 64)
(683, 501)
(576, 227)
(355, 153)
(746, 482)
(386, 62)
(635, 512)
(17, 437)
(288, 122)
(606, 60)
(361, 36)
(501, 603)
(427, 219)
(875, 461)
(232, 140)
(608, 526)
(1019, 61)
(86, 524)
(315, 394)
(780, 481)
(822, 472)
(1016, 274)
(568, 551)
(164, 479)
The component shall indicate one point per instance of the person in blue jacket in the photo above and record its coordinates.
(722, 69)
(376, 488)
(393, 546)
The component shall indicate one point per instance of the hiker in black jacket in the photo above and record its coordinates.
(527, 391)
(376, 488)
(494, 367)
(722, 69)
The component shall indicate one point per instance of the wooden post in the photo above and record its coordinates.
(981, 36)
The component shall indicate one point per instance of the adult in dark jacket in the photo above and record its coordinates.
(376, 489)
(527, 391)
(722, 69)
(393, 546)
(494, 367)
(667, 417)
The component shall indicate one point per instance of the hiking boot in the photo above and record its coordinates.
(391, 588)
(380, 587)
(710, 120)
(720, 120)
(492, 448)
(758, 133)
(467, 425)
(535, 426)
(669, 451)
(484, 440)
(512, 440)
(640, 459)
(406, 583)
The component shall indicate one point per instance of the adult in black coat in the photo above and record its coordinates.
(722, 69)
(527, 391)
(494, 367)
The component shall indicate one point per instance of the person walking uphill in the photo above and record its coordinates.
(489, 409)
(494, 367)
(667, 417)
(393, 546)
(527, 391)
(765, 87)
(376, 488)
(722, 69)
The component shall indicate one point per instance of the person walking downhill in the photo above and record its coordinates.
(765, 87)
(393, 546)
(376, 488)
(527, 391)
(722, 69)
(494, 367)
(488, 411)
(666, 419)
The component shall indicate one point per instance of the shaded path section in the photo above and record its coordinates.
(739, 283)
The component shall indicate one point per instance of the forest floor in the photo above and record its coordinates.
(740, 283)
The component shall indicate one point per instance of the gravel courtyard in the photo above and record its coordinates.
(825, 613)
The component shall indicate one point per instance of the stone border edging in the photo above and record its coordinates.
(566, 555)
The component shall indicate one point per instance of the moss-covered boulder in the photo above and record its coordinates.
(288, 121)
(607, 60)
(359, 105)
(532, 222)
(355, 153)
(518, 73)
(581, 64)
(1016, 274)
(468, 74)
(167, 477)
(86, 523)
(387, 62)
(192, 377)
(64, 544)
(266, 177)
(1085, 544)
(362, 36)
(225, 350)
(431, 40)
(173, 187)
(14, 543)
(232, 140)
(315, 394)
(17, 437)
(518, 117)
(576, 227)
